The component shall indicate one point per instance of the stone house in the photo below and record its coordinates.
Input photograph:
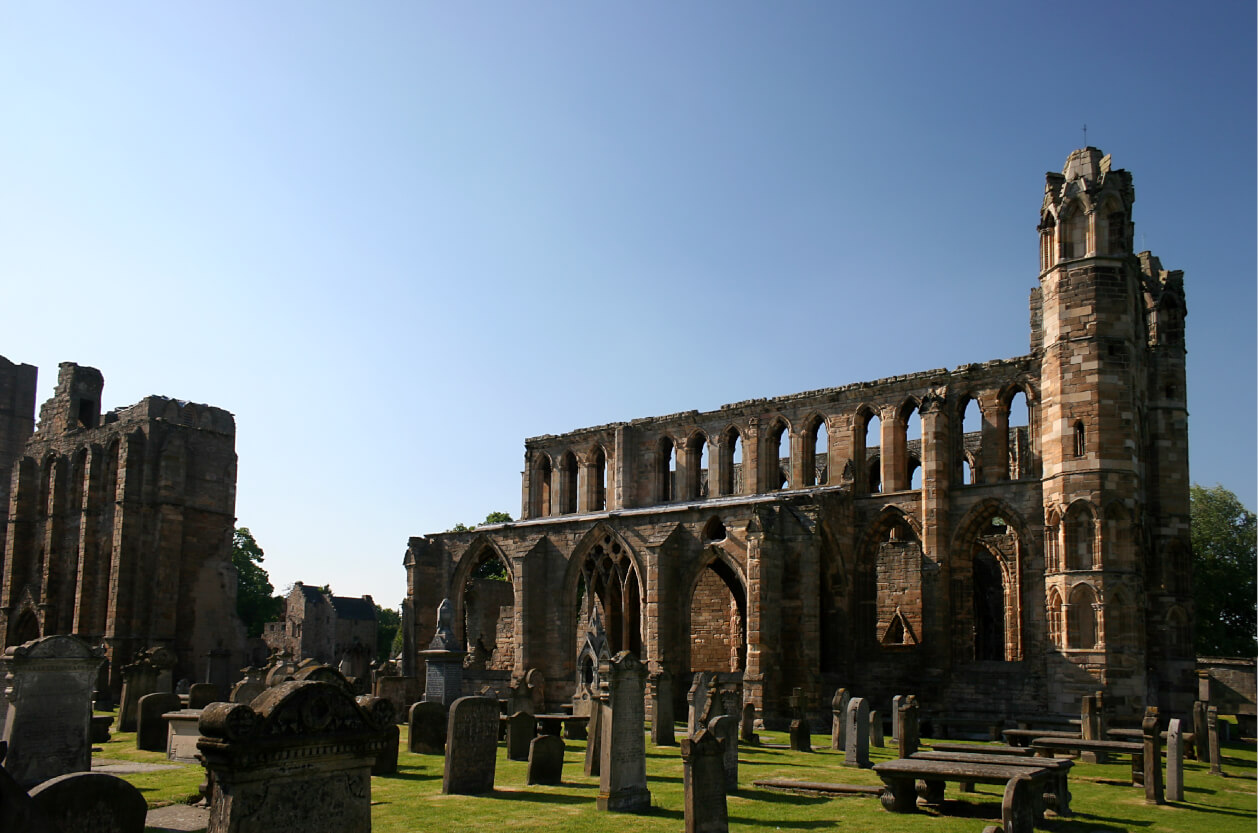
(335, 630)
(119, 526)
(863, 536)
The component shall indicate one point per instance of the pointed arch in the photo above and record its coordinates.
(1056, 632)
(665, 469)
(988, 550)
(605, 570)
(694, 456)
(567, 483)
(478, 615)
(597, 473)
(1080, 535)
(867, 455)
(777, 469)
(730, 450)
(715, 613)
(541, 485)
(1081, 620)
(814, 470)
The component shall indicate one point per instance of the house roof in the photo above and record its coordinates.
(348, 607)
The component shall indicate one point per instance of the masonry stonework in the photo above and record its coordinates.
(999, 571)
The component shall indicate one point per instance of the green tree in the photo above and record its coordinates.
(1224, 545)
(254, 603)
(491, 518)
(388, 627)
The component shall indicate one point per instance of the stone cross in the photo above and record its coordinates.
(704, 779)
(801, 734)
(747, 731)
(908, 738)
(622, 765)
(856, 750)
(896, 702)
(471, 746)
(662, 709)
(838, 719)
(1153, 793)
(1212, 729)
(1174, 761)
(725, 728)
(875, 729)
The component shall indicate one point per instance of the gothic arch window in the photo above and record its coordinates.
(815, 447)
(486, 609)
(1080, 537)
(909, 443)
(718, 620)
(1074, 241)
(969, 439)
(1081, 439)
(1017, 417)
(1048, 241)
(989, 606)
(777, 465)
(568, 483)
(731, 450)
(609, 581)
(665, 470)
(598, 470)
(1055, 632)
(1052, 542)
(1081, 630)
(871, 431)
(696, 466)
(543, 481)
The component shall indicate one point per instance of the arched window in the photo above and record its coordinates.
(970, 441)
(873, 455)
(1081, 628)
(1081, 440)
(1054, 619)
(731, 450)
(778, 466)
(543, 479)
(696, 466)
(1052, 542)
(1048, 241)
(598, 500)
(989, 606)
(910, 450)
(1074, 234)
(1019, 437)
(815, 447)
(666, 470)
(568, 481)
(1080, 534)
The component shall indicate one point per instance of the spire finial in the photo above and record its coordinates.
(1085, 135)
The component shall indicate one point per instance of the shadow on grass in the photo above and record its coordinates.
(770, 797)
(403, 774)
(1204, 808)
(536, 797)
(1098, 824)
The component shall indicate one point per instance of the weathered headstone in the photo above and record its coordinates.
(800, 732)
(896, 702)
(698, 700)
(427, 735)
(521, 729)
(909, 717)
(384, 717)
(48, 708)
(1174, 761)
(704, 783)
(1212, 729)
(725, 728)
(1200, 733)
(875, 729)
(662, 709)
(298, 757)
(1090, 727)
(747, 729)
(149, 673)
(856, 752)
(838, 718)
(471, 746)
(593, 746)
(245, 690)
(622, 766)
(151, 725)
(90, 802)
(545, 760)
(201, 695)
(1153, 793)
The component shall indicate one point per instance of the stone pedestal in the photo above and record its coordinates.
(182, 733)
(443, 682)
(622, 766)
(48, 707)
(298, 757)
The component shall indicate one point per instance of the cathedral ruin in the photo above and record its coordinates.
(860, 535)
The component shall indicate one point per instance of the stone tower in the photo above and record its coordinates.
(1107, 326)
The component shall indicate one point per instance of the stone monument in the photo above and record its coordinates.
(838, 718)
(151, 724)
(909, 717)
(725, 729)
(1174, 761)
(622, 766)
(146, 675)
(90, 802)
(700, 690)
(471, 746)
(896, 702)
(875, 729)
(545, 760)
(1153, 793)
(444, 660)
(521, 729)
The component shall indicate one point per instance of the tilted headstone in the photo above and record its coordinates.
(201, 695)
(521, 729)
(594, 745)
(725, 728)
(151, 726)
(747, 729)
(1153, 793)
(1212, 729)
(662, 709)
(838, 718)
(800, 732)
(427, 724)
(622, 765)
(703, 768)
(698, 701)
(856, 752)
(90, 802)
(471, 746)
(909, 717)
(546, 760)
(896, 702)
(384, 716)
(1174, 761)
(298, 757)
(48, 708)
(875, 729)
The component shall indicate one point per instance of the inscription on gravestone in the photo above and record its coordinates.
(622, 769)
(471, 746)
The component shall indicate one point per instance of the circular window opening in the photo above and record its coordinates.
(713, 531)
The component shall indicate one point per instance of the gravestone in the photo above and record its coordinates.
(896, 702)
(151, 726)
(298, 757)
(1153, 793)
(545, 760)
(594, 745)
(149, 673)
(730, 686)
(698, 699)
(875, 729)
(100, 727)
(747, 730)
(838, 718)
(201, 695)
(248, 688)
(1200, 733)
(662, 709)
(48, 708)
(725, 728)
(521, 729)
(800, 733)
(622, 760)
(443, 660)
(1212, 729)
(703, 774)
(909, 717)
(1090, 728)
(427, 724)
(856, 752)
(471, 746)
(383, 715)
(90, 802)
(1174, 761)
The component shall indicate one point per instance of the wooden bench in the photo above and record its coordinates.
(900, 775)
(1058, 794)
(1023, 737)
(1135, 750)
(1133, 735)
(1010, 751)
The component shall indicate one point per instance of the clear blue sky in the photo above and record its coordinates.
(395, 239)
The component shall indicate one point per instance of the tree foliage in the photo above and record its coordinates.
(1224, 545)
(388, 628)
(491, 518)
(254, 603)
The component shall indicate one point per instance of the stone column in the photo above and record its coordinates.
(1153, 793)
(622, 765)
(1174, 761)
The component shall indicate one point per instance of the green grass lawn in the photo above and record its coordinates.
(1102, 798)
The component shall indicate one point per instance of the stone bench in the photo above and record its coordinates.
(1190, 740)
(1048, 745)
(899, 795)
(1058, 794)
(1008, 751)
(1023, 737)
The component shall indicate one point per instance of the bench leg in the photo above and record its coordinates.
(1061, 797)
(1137, 769)
(932, 792)
(967, 786)
(1017, 811)
(898, 796)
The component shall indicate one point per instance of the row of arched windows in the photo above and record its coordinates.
(1079, 232)
(1078, 542)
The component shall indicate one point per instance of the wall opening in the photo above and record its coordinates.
(718, 621)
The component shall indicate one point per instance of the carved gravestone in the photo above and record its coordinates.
(896, 702)
(622, 765)
(151, 726)
(875, 729)
(747, 729)
(521, 729)
(908, 739)
(725, 729)
(471, 746)
(698, 699)
(662, 709)
(201, 695)
(838, 718)
(90, 802)
(1212, 730)
(384, 717)
(1174, 761)
(546, 760)
(427, 723)
(703, 767)
(48, 708)
(800, 733)
(443, 660)
(1153, 793)
(856, 752)
(298, 757)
